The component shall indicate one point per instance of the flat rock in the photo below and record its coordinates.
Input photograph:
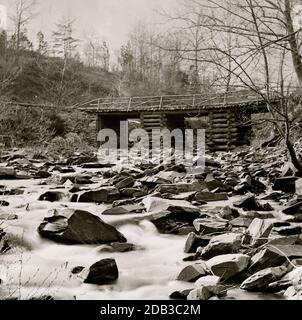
(222, 244)
(171, 176)
(186, 196)
(289, 230)
(241, 222)
(154, 204)
(192, 273)
(7, 173)
(168, 222)
(273, 196)
(211, 197)
(294, 209)
(42, 174)
(117, 247)
(101, 195)
(249, 203)
(229, 265)
(115, 211)
(133, 192)
(125, 183)
(261, 280)
(178, 188)
(78, 227)
(284, 240)
(207, 225)
(103, 272)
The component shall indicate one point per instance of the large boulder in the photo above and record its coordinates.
(168, 222)
(292, 278)
(192, 273)
(249, 203)
(258, 232)
(78, 227)
(195, 241)
(274, 256)
(222, 244)
(212, 183)
(53, 196)
(103, 272)
(229, 265)
(207, 225)
(102, 195)
(261, 280)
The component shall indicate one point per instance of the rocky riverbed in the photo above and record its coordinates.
(79, 229)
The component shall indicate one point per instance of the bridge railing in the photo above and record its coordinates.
(170, 101)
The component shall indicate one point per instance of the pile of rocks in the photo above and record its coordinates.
(242, 216)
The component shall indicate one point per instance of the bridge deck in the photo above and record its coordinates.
(195, 102)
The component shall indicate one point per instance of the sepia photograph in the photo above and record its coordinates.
(150, 150)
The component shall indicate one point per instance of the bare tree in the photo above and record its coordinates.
(22, 16)
(64, 45)
(254, 46)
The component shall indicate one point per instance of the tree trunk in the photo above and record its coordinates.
(295, 161)
(296, 56)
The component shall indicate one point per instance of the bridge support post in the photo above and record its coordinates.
(222, 133)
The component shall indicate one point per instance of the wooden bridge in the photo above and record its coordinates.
(226, 118)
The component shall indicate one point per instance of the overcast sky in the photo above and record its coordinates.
(110, 20)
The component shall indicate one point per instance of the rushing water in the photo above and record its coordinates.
(37, 267)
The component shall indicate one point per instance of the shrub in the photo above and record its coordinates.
(68, 146)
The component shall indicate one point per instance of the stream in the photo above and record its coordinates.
(36, 267)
